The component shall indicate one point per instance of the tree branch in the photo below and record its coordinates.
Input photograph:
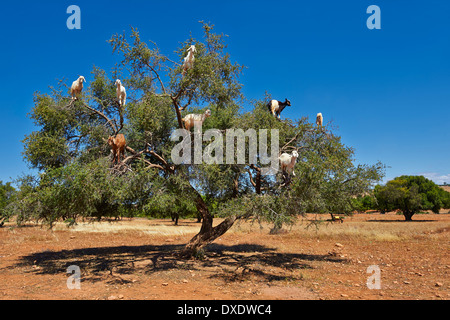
(169, 168)
(137, 155)
(257, 183)
(163, 88)
(290, 141)
(251, 178)
(178, 112)
(101, 114)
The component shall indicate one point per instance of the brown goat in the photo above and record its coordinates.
(117, 145)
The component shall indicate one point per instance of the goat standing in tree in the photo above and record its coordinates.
(189, 59)
(319, 120)
(276, 107)
(287, 163)
(118, 145)
(77, 87)
(121, 93)
(195, 119)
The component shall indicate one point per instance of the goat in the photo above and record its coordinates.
(191, 119)
(77, 87)
(288, 161)
(121, 93)
(189, 59)
(319, 120)
(117, 145)
(276, 107)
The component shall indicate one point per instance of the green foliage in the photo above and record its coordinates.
(7, 195)
(80, 191)
(365, 203)
(411, 194)
(214, 78)
(151, 120)
(78, 180)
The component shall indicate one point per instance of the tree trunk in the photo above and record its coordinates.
(236, 185)
(207, 233)
(257, 182)
(178, 113)
(175, 217)
(408, 215)
(286, 179)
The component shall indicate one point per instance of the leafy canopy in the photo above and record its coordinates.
(410, 194)
(78, 180)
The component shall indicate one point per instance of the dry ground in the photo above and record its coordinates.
(136, 259)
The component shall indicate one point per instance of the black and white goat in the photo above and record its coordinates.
(276, 107)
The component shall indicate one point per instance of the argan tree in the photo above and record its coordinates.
(77, 178)
(410, 194)
(7, 194)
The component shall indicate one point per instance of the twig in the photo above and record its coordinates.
(101, 114)
(251, 178)
(287, 144)
(158, 77)
(169, 168)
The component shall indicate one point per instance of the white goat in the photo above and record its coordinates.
(195, 119)
(189, 59)
(121, 93)
(77, 87)
(319, 120)
(288, 161)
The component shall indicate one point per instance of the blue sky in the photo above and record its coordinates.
(386, 91)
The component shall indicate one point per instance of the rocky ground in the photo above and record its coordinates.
(136, 259)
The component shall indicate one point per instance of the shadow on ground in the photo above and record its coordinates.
(235, 262)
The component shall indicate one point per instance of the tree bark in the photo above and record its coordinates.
(257, 182)
(236, 186)
(408, 215)
(207, 233)
(178, 113)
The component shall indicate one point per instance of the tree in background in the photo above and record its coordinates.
(7, 194)
(410, 194)
(365, 203)
(77, 177)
